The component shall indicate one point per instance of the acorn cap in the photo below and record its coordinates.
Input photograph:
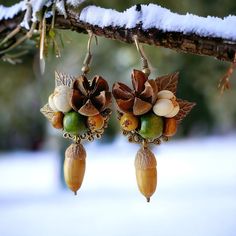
(75, 151)
(145, 159)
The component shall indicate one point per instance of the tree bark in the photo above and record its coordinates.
(219, 48)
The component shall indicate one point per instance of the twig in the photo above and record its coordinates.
(224, 83)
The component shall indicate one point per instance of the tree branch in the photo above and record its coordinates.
(220, 48)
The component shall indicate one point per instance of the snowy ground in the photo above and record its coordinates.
(196, 192)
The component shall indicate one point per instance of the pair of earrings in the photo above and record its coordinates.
(148, 114)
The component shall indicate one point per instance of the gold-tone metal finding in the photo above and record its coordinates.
(88, 58)
(145, 68)
(134, 137)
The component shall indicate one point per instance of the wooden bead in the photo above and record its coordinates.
(170, 127)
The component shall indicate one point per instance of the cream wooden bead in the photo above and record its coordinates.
(165, 94)
(51, 103)
(61, 98)
(163, 107)
(174, 112)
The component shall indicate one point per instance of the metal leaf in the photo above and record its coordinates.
(47, 112)
(64, 79)
(168, 82)
(185, 108)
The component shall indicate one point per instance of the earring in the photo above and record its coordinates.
(81, 108)
(148, 114)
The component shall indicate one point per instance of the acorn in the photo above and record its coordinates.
(146, 172)
(74, 166)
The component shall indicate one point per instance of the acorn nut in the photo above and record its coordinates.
(146, 172)
(74, 166)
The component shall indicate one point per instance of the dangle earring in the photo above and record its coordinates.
(148, 114)
(81, 109)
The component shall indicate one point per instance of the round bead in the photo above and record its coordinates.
(165, 94)
(174, 112)
(146, 71)
(163, 107)
(85, 69)
(129, 122)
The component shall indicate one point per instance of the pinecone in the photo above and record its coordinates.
(139, 100)
(90, 98)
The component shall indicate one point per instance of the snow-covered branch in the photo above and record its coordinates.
(152, 24)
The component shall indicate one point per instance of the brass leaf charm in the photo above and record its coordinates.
(168, 82)
(47, 112)
(63, 79)
(185, 108)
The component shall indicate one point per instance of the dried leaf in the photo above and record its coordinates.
(64, 79)
(82, 84)
(122, 91)
(185, 108)
(88, 109)
(138, 80)
(77, 99)
(150, 91)
(47, 112)
(103, 100)
(98, 84)
(125, 105)
(141, 107)
(168, 82)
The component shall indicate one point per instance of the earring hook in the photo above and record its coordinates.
(85, 69)
(146, 70)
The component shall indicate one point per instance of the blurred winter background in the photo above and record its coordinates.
(196, 170)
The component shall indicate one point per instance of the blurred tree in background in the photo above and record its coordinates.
(24, 90)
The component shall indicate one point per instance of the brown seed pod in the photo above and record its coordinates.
(146, 172)
(170, 127)
(74, 166)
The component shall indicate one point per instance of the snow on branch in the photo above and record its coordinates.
(155, 25)
(153, 16)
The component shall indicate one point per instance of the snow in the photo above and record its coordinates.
(195, 196)
(10, 12)
(37, 5)
(154, 16)
(151, 16)
(75, 3)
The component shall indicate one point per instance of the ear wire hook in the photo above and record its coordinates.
(85, 69)
(145, 68)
